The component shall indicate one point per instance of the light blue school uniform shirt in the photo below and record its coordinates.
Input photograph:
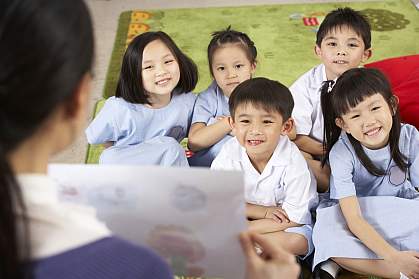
(143, 135)
(388, 203)
(349, 177)
(210, 104)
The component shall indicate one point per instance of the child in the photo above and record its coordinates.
(232, 60)
(279, 188)
(343, 42)
(152, 108)
(45, 94)
(374, 163)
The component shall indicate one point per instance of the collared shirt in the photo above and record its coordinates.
(210, 104)
(128, 124)
(55, 226)
(286, 180)
(307, 111)
(350, 178)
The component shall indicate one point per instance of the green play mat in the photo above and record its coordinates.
(283, 34)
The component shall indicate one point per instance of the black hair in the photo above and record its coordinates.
(46, 48)
(230, 36)
(130, 84)
(265, 93)
(351, 88)
(348, 17)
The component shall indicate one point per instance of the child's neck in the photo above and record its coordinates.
(260, 162)
(330, 76)
(159, 101)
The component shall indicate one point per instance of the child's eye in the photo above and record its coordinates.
(244, 121)
(238, 66)
(376, 108)
(353, 45)
(331, 44)
(267, 122)
(147, 67)
(221, 68)
(168, 61)
(354, 116)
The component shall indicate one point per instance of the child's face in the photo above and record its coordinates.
(230, 67)
(258, 130)
(160, 69)
(340, 50)
(369, 122)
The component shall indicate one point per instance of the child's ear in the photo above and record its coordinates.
(367, 54)
(341, 124)
(231, 122)
(253, 68)
(287, 127)
(394, 104)
(317, 50)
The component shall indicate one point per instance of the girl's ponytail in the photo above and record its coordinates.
(331, 131)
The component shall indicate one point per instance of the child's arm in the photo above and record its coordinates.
(270, 225)
(309, 145)
(406, 261)
(102, 129)
(255, 212)
(202, 136)
(266, 219)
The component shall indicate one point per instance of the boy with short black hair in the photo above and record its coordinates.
(280, 190)
(343, 42)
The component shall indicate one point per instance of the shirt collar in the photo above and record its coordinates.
(280, 157)
(318, 77)
(65, 226)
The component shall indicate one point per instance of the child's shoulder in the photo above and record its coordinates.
(230, 153)
(313, 78)
(342, 149)
(117, 104)
(187, 97)
(287, 153)
(409, 131)
(409, 137)
(211, 92)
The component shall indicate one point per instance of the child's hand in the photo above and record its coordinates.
(277, 214)
(408, 263)
(224, 118)
(226, 121)
(274, 263)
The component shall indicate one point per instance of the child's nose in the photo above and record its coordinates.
(342, 51)
(160, 70)
(231, 73)
(255, 129)
(369, 119)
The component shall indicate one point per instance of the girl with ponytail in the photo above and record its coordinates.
(46, 53)
(374, 161)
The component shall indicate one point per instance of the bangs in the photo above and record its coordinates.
(353, 87)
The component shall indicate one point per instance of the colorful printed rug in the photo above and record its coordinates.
(283, 34)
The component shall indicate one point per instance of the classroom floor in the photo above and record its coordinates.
(105, 15)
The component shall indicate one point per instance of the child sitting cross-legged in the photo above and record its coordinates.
(279, 188)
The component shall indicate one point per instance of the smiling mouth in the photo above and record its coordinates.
(254, 142)
(341, 62)
(373, 132)
(233, 83)
(163, 81)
